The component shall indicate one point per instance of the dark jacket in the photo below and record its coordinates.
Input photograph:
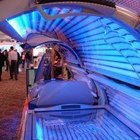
(2, 58)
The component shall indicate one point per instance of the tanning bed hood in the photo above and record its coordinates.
(103, 44)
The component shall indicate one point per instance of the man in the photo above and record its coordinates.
(18, 60)
(12, 57)
(1, 63)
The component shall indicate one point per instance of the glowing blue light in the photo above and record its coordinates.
(76, 10)
(94, 38)
(33, 20)
(72, 25)
(126, 107)
(104, 52)
(122, 32)
(47, 26)
(88, 32)
(90, 35)
(105, 21)
(85, 27)
(51, 12)
(130, 38)
(41, 24)
(115, 39)
(114, 26)
(54, 25)
(112, 64)
(115, 70)
(39, 131)
(58, 10)
(22, 24)
(25, 23)
(18, 26)
(108, 58)
(64, 10)
(49, 23)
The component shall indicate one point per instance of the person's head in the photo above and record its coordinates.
(48, 51)
(11, 48)
(56, 47)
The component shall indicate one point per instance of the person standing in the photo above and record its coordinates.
(1, 63)
(23, 59)
(28, 58)
(47, 65)
(6, 60)
(12, 57)
(18, 60)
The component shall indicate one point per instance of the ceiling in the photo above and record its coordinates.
(4, 37)
(132, 5)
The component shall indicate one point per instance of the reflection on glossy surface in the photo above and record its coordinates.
(81, 125)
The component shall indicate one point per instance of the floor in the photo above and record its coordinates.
(12, 98)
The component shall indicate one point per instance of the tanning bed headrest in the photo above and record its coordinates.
(61, 92)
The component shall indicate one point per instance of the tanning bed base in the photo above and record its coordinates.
(66, 123)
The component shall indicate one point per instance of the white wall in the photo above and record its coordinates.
(7, 45)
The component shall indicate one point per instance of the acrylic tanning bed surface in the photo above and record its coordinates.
(93, 124)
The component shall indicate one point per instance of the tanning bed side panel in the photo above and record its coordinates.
(118, 97)
(121, 98)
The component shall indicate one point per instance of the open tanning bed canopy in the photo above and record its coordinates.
(104, 44)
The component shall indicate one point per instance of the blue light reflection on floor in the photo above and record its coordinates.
(81, 124)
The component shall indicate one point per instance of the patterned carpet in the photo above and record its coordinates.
(12, 98)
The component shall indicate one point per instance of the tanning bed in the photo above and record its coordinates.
(59, 109)
(107, 58)
(75, 122)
